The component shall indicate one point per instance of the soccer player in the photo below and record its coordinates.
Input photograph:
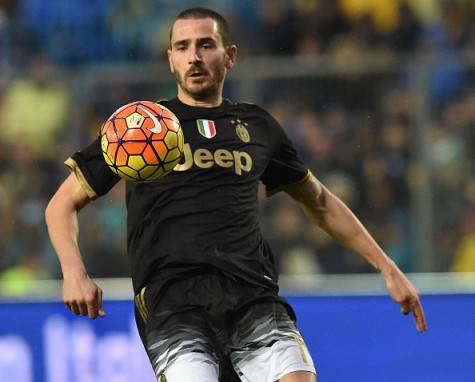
(206, 293)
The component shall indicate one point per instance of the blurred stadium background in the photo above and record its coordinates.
(379, 98)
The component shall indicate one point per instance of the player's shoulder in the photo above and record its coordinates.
(163, 101)
(173, 105)
(251, 108)
(255, 112)
(245, 105)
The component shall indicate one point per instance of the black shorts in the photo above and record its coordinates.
(214, 315)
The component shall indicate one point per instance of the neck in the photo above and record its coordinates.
(211, 101)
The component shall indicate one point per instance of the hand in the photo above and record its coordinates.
(406, 295)
(83, 297)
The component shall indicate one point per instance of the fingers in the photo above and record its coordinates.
(73, 307)
(415, 307)
(82, 308)
(419, 317)
(90, 306)
(405, 308)
(94, 305)
(78, 308)
(407, 296)
(101, 311)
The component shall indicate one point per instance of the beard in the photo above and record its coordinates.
(201, 91)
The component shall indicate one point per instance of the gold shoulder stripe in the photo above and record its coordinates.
(140, 303)
(73, 166)
(281, 188)
(142, 298)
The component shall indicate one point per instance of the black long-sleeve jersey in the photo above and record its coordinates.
(204, 214)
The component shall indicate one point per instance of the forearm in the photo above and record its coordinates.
(80, 294)
(62, 220)
(63, 231)
(333, 216)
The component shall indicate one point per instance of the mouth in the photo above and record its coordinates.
(197, 75)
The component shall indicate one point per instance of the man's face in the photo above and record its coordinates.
(198, 58)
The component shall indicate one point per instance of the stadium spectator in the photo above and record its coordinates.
(34, 110)
(33, 113)
(405, 37)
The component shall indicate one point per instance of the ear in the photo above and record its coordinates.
(231, 55)
(169, 52)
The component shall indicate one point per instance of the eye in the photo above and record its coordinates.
(207, 45)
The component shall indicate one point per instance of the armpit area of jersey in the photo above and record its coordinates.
(275, 190)
(92, 171)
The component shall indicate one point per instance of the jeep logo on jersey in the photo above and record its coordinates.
(240, 161)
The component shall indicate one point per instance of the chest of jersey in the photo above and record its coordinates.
(227, 145)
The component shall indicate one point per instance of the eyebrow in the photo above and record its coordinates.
(202, 40)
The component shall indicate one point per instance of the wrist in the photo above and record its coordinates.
(388, 268)
(74, 273)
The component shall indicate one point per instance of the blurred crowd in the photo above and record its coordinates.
(356, 132)
(75, 32)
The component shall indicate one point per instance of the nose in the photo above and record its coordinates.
(195, 55)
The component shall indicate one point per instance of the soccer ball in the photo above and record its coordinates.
(142, 141)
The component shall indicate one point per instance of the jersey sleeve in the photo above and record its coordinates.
(285, 167)
(92, 171)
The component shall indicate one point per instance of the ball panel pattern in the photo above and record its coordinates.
(142, 141)
(120, 127)
(136, 162)
(134, 147)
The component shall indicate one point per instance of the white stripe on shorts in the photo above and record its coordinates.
(269, 364)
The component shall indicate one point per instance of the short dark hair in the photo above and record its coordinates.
(203, 13)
